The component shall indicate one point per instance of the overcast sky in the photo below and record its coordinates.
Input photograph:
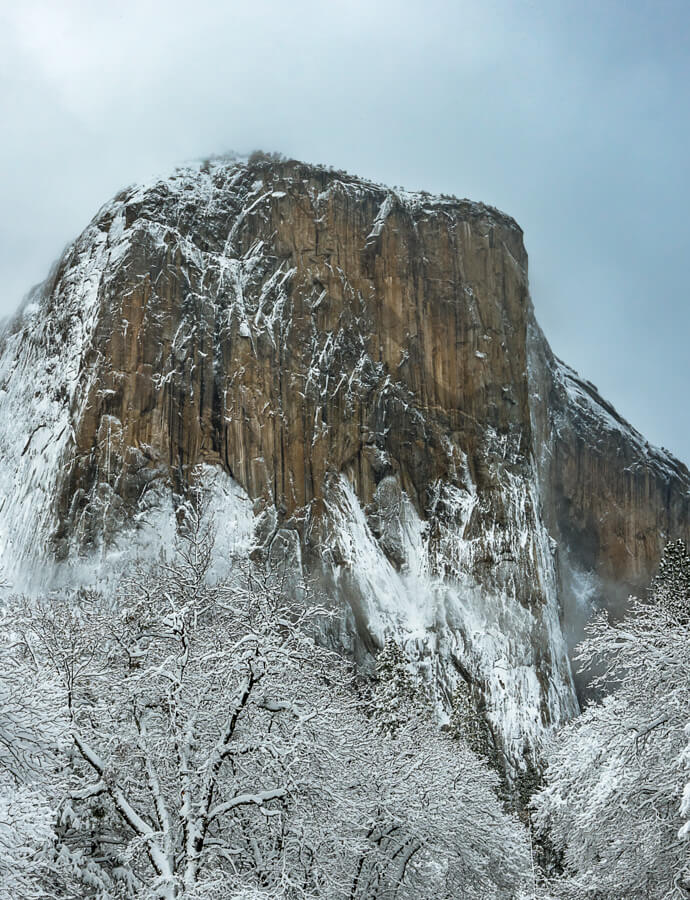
(571, 115)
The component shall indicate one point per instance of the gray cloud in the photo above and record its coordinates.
(571, 116)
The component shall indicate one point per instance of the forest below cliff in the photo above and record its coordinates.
(187, 733)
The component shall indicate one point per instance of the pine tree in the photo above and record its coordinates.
(395, 693)
(671, 586)
(464, 720)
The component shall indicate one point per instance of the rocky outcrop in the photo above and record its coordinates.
(610, 499)
(365, 365)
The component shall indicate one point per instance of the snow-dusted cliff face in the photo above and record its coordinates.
(362, 369)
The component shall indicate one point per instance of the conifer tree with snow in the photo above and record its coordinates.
(466, 723)
(671, 586)
(395, 694)
(470, 728)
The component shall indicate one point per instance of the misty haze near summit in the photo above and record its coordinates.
(571, 117)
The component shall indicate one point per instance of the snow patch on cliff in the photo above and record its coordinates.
(150, 535)
(41, 381)
(380, 220)
(447, 620)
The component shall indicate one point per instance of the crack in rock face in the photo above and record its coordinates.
(359, 373)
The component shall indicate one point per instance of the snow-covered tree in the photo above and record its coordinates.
(196, 711)
(460, 824)
(611, 805)
(671, 587)
(436, 827)
(211, 748)
(396, 696)
(32, 739)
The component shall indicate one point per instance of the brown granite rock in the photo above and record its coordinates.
(287, 323)
(320, 338)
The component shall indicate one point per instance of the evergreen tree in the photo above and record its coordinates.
(395, 694)
(466, 724)
(671, 586)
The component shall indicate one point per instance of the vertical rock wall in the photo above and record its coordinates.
(365, 365)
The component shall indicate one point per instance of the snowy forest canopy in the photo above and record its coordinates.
(184, 735)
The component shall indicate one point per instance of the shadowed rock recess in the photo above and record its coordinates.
(364, 367)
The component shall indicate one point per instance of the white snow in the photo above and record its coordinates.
(436, 608)
(380, 220)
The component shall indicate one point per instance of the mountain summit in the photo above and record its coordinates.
(362, 370)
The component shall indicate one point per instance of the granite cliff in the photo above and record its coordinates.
(362, 369)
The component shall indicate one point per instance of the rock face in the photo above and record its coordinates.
(610, 499)
(366, 366)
